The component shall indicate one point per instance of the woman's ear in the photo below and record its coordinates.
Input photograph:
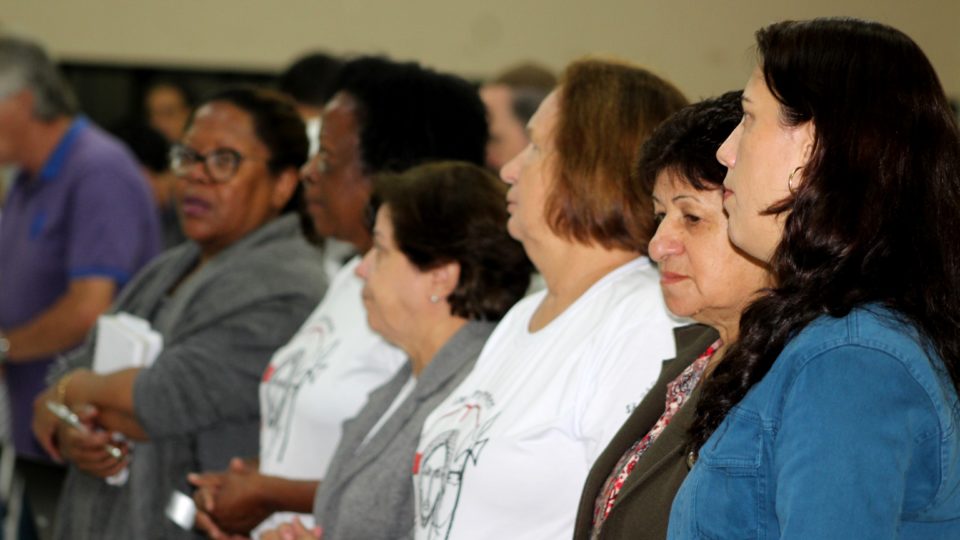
(284, 187)
(444, 279)
(808, 134)
(804, 138)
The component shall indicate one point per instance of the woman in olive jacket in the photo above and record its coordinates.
(631, 486)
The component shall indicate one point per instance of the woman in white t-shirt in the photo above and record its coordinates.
(506, 454)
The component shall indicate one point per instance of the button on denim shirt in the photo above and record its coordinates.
(853, 433)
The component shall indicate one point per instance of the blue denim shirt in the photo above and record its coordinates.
(852, 434)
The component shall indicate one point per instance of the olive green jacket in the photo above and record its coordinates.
(643, 505)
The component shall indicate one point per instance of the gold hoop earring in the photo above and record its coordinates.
(790, 180)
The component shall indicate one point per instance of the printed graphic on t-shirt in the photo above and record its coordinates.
(284, 378)
(439, 468)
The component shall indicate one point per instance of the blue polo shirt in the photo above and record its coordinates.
(87, 213)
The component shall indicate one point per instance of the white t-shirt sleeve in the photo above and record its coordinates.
(628, 364)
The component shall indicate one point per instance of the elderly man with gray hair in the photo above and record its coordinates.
(77, 222)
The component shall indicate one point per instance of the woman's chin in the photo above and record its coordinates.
(194, 231)
(681, 309)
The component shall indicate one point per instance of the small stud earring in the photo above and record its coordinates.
(434, 298)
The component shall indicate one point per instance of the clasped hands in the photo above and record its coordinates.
(86, 449)
(229, 503)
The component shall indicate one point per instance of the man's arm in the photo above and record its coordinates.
(65, 324)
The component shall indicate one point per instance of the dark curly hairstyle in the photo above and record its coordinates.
(409, 114)
(454, 212)
(275, 122)
(278, 126)
(310, 79)
(687, 142)
(874, 219)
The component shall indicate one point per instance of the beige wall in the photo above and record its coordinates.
(702, 45)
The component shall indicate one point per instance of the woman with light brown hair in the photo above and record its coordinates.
(506, 454)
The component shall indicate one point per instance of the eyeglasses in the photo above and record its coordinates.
(221, 163)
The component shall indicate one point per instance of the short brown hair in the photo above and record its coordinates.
(607, 109)
(454, 212)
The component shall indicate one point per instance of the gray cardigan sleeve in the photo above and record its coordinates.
(209, 376)
(214, 356)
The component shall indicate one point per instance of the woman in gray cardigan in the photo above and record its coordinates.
(631, 486)
(222, 303)
(441, 271)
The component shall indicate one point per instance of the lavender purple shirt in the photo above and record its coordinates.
(87, 213)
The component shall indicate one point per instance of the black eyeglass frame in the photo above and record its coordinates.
(180, 151)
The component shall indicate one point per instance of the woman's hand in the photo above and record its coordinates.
(45, 423)
(207, 484)
(87, 450)
(293, 531)
(206, 524)
(232, 500)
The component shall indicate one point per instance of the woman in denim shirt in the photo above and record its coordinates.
(836, 413)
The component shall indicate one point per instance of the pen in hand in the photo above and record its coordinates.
(66, 415)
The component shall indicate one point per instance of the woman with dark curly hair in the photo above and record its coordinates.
(836, 415)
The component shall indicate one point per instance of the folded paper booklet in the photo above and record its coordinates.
(124, 341)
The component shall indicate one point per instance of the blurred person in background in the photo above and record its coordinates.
(7, 172)
(511, 99)
(153, 152)
(78, 222)
(168, 104)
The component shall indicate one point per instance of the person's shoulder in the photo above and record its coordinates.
(873, 345)
(284, 259)
(870, 327)
(168, 261)
(692, 340)
(524, 308)
(95, 149)
(514, 324)
(870, 359)
(636, 281)
(629, 296)
(274, 261)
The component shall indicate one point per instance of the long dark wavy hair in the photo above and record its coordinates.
(876, 217)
